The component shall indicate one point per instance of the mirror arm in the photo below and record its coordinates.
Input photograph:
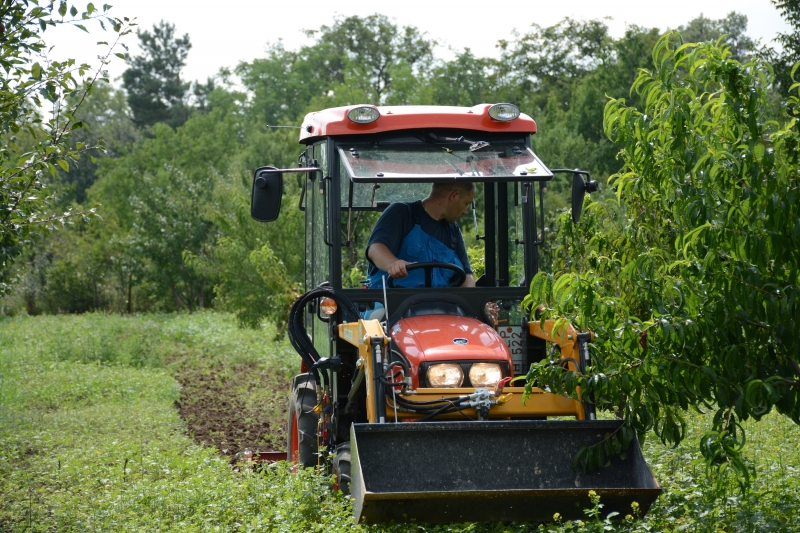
(303, 190)
(299, 169)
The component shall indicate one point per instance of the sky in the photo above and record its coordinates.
(223, 34)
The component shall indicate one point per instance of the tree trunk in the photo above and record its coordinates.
(130, 292)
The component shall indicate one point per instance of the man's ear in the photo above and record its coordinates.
(454, 195)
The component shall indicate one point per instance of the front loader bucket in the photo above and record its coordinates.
(439, 472)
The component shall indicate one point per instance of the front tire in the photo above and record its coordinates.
(341, 467)
(302, 445)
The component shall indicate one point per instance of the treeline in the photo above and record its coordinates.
(172, 185)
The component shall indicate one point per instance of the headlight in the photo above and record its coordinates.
(485, 374)
(445, 375)
(363, 114)
(504, 112)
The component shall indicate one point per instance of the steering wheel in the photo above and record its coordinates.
(456, 281)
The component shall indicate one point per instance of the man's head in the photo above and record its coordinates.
(454, 198)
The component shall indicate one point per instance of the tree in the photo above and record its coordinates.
(374, 49)
(158, 195)
(547, 61)
(106, 109)
(155, 90)
(34, 144)
(355, 60)
(783, 62)
(465, 81)
(257, 274)
(691, 278)
(731, 30)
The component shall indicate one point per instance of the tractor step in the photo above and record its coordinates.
(440, 472)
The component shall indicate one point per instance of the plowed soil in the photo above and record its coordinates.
(233, 408)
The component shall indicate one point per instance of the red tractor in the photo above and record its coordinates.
(405, 389)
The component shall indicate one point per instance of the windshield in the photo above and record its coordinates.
(456, 158)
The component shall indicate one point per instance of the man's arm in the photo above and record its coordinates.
(385, 260)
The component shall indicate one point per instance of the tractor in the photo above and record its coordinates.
(405, 390)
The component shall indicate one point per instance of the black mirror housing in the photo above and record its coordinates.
(579, 190)
(265, 199)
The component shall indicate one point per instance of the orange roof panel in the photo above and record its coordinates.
(334, 121)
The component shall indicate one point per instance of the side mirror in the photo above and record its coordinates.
(579, 190)
(265, 200)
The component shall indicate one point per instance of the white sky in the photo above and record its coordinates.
(223, 34)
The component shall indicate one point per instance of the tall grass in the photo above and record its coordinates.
(90, 440)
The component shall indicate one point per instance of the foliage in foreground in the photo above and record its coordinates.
(691, 278)
(90, 441)
(33, 146)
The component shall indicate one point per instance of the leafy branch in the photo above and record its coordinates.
(666, 280)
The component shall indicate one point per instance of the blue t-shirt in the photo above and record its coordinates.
(400, 218)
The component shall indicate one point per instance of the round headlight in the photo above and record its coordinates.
(363, 114)
(485, 374)
(445, 375)
(504, 112)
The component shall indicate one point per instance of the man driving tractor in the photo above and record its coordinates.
(425, 389)
(421, 231)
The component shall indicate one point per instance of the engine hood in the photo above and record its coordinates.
(448, 338)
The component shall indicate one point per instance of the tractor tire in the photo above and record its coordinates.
(303, 421)
(341, 467)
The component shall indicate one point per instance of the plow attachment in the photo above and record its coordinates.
(439, 472)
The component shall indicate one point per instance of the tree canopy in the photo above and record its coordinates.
(690, 275)
(153, 81)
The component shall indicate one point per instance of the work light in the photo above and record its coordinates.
(328, 306)
(363, 114)
(504, 112)
(445, 375)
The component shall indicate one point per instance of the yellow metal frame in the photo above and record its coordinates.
(539, 403)
(360, 335)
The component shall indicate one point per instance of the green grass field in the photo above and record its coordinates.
(91, 440)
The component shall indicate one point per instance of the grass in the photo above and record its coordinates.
(91, 440)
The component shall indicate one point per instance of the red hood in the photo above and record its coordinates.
(432, 338)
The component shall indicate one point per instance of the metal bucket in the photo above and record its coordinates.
(441, 472)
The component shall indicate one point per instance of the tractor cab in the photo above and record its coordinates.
(405, 391)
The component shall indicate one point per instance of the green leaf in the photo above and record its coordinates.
(63, 164)
(62, 8)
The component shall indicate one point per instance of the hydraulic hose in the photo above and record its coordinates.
(297, 333)
(392, 384)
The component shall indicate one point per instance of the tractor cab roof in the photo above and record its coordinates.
(340, 120)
